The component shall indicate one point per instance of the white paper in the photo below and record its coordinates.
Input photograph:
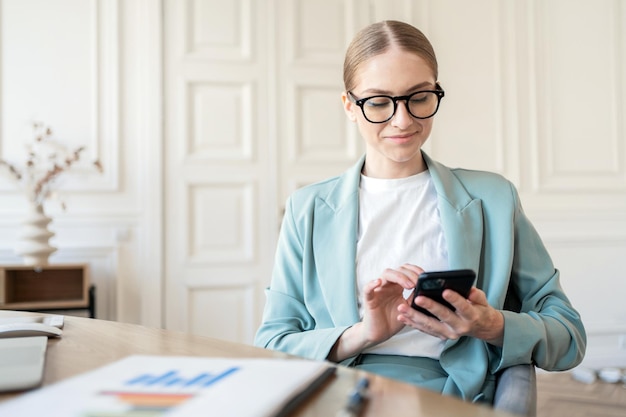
(173, 386)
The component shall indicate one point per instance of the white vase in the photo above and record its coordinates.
(33, 244)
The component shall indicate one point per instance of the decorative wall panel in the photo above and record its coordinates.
(310, 43)
(216, 162)
(580, 88)
(219, 30)
(469, 129)
(221, 312)
(221, 227)
(403, 10)
(221, 120)
(321, 123)
(315, 138)
(71, 58)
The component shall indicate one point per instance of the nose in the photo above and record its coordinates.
(402, 118)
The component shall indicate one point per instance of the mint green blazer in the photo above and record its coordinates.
(312, 298)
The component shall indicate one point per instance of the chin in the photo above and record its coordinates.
(405, 156)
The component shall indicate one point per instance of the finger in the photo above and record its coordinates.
(368, 290)
(428, 303)
(407, 315)
(416, 269)
(477, 296)
(461, 304)
(441, 312)
(399, 277)
(411, 316)
(426, 324)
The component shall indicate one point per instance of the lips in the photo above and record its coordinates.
(401, 138)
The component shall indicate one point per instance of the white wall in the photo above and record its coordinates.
(535, 90)
(90, 70)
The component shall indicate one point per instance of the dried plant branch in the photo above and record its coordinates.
(46, 160)
(12, 169)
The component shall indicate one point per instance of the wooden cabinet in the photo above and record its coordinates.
(54, 287)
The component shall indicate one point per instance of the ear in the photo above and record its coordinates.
(349, 107)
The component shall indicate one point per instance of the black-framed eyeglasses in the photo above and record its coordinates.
(380, 109)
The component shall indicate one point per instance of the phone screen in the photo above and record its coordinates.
(432, 284)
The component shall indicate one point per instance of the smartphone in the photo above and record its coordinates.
(432, 284)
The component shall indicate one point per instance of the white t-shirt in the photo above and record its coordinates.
(399, 223)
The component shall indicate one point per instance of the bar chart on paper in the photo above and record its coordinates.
(154, 394)
(153, 386)
(174, 378)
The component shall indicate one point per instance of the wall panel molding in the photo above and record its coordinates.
(235, 302)
(307, 45)
(220, 31)
(319, 124)
(221, 226)
(314, 137)
(476, 125)
(87, 81)
(221, 121)
(579, 144)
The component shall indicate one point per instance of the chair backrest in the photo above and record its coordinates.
(516, 386)
(516, 390)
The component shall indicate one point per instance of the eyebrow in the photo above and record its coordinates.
(386, 92)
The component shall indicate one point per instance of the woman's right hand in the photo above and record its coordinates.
(381, 299)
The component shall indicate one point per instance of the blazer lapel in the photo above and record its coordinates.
(335, 226)
(462, 221)
(461, 217)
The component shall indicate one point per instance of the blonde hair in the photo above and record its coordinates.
(377, 38)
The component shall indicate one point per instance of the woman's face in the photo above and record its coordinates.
(393, 147)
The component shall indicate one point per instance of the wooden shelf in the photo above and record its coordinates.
(53, 287)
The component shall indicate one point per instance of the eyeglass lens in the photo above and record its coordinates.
(422, 105)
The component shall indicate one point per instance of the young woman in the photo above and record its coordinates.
(352, 247)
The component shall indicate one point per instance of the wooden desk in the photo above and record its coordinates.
(89, 343)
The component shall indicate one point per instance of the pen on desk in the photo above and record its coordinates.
(356, 399)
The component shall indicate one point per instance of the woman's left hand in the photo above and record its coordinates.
(473, 317)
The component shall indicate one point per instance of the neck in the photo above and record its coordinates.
(393, 170)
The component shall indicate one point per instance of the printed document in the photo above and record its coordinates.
(151, 386)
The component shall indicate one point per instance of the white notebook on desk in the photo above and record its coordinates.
(22, 362)
(179, 386)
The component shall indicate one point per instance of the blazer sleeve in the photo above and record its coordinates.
(289, 324)
(547, 331)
